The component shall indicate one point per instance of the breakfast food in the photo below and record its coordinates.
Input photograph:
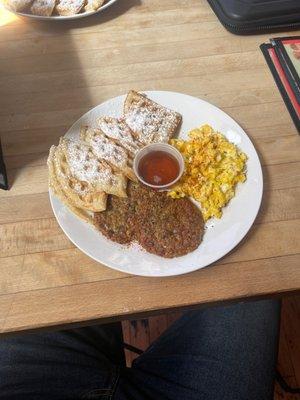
(72, 193)
(117, 223)
(213, 167)
(158, 168)
(106, 149)
(17, 5)
(94, 175)
(47, 8)
(163, 226)
(168, 228)
(119, 131)
(84, 171)
(86, 167)
(69, 7)
(80, 179)
(93, 5)
(42, 7)
(149, 121)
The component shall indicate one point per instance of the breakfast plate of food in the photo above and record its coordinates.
(58, 10)
(155, 184)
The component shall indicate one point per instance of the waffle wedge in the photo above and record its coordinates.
(117, 130)
(17, 5)
(93, 5)
(150, 122)
(69, 7)
(79, 196)
(86, 167)
(42, 7)
(108, 150)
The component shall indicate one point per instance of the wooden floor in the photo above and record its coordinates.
(141, 333)
(289, 347)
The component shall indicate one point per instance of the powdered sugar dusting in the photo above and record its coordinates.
(69, 7)
(109, 151)
(42, 7)
(92, 5)
(151, 122)
(117, 129)
(18, 5)
(80, 189)
(84, 166)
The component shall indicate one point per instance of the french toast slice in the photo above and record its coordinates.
(149, 121)
(108, 150)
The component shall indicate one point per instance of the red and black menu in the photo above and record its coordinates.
(283, 58)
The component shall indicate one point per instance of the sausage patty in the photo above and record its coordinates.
(163, 226)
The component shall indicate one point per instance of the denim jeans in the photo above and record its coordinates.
(226, 353)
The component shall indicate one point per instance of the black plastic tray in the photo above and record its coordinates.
(245, 17)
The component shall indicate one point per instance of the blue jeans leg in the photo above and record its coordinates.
(75, 364)
(226, 353)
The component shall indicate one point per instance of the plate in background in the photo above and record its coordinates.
(61, 17)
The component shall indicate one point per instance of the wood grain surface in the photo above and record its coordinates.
(52, 73)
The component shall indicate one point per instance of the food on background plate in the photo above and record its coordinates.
(47, 8)
(149, 121)
(213, 167)
(17, 5)
(161, 225)
(69, 7)
(42, 7)
(93, 5)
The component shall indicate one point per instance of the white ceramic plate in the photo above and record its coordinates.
(63, 18)
(220, 237)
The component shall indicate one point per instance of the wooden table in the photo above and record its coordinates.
(53, 73)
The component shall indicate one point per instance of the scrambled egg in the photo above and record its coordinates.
(213, 167)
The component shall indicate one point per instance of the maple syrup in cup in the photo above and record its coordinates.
(158, 165)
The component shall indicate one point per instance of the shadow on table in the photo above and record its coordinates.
(45, 90)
